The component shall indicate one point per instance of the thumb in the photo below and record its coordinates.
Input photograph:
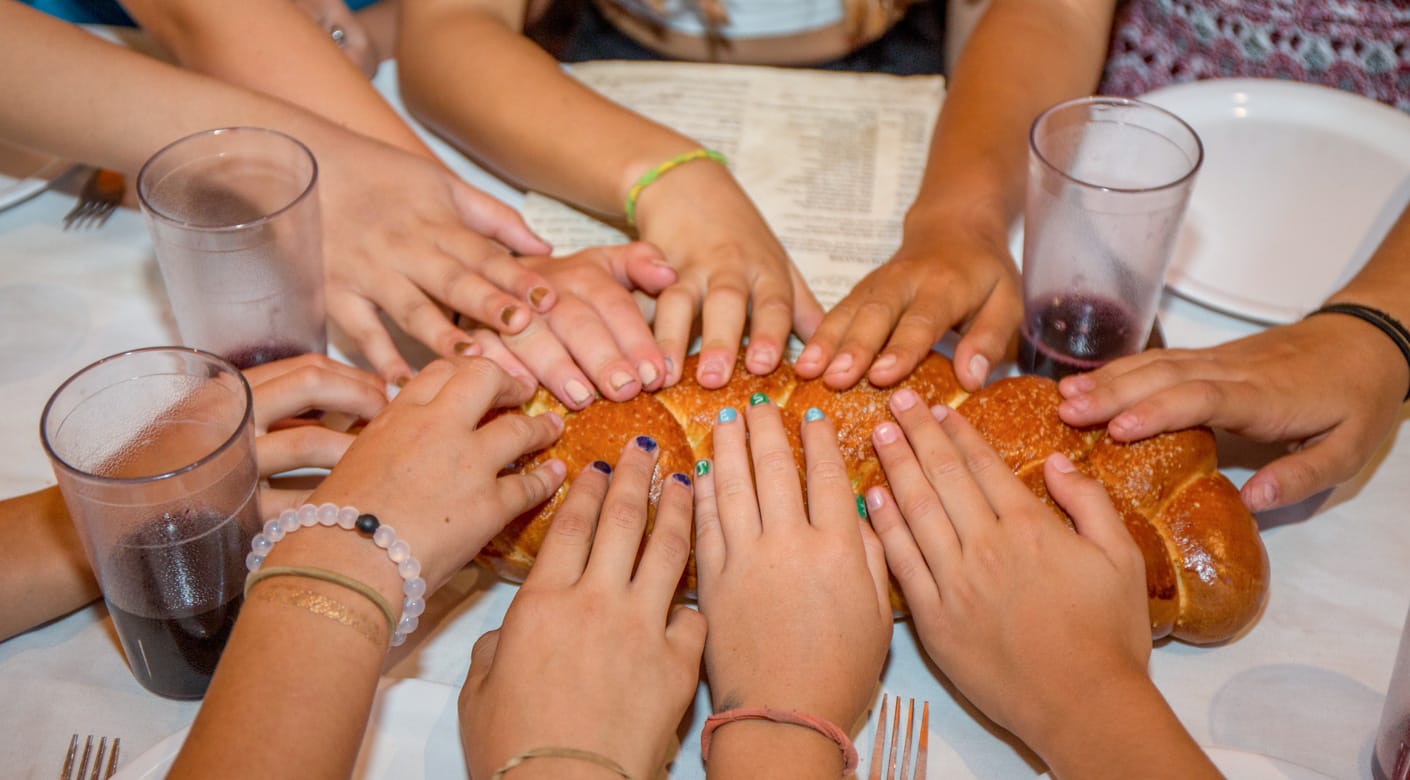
(482, 657)
(1291, 478)
(641, 266)
(493, 219)
(1087, 503)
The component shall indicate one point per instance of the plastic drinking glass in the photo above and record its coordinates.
(154, 451)
(1108, 182)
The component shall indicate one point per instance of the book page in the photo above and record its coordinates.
(832, 159)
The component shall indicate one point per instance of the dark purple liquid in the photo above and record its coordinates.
(173, 604)
(259, 354)
(1075, 333)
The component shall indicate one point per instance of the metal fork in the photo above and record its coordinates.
(879, 758)
(101, 195)
(68, 773)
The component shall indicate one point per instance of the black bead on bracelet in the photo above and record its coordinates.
(1387, 324)
(366, 523)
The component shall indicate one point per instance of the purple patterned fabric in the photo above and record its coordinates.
(1358, 45)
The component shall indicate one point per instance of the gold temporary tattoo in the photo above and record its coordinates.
(324, 607)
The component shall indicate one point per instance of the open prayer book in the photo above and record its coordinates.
(832, 160)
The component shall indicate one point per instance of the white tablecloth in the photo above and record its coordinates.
(1305, 684)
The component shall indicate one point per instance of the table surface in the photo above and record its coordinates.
(1305, 684)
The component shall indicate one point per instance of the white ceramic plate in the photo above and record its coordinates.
(1298, 186)
(1239, 765)
(413, 733)
(24, 174)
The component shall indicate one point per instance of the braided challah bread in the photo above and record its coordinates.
(1206, 568)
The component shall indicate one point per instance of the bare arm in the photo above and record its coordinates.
(953, 268)
(43, 573)
(522, 115)
(275, 47)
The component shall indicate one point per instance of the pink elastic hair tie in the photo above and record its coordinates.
(825, 728)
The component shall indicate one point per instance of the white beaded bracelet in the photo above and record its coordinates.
(413, 587)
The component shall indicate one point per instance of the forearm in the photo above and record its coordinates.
(303, 651)
(1022, 58)
(43, 571)
(1119, 732)
(272, 46)
(520, 113)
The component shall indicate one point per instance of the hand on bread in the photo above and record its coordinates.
(795, 591)
(1042, 629)
(590, 655)
(595, 338)
(1330, 386)
(940, 278)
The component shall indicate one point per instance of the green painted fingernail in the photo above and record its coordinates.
(861, 507)
(702, 467)
(758, 398)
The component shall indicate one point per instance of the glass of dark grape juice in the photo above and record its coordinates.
(1108, 182)
(154, 451)
(234, 219)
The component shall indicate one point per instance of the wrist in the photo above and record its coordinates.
(761, 748)
(670, 183)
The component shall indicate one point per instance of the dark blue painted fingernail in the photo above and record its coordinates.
(646, 443)
(681, 478)
(602, 466)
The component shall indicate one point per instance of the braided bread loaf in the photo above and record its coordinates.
(1206, 568)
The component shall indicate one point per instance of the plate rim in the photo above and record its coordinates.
(1213, 97)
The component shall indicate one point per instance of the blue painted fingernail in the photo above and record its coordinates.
(646, 443)
(681, 478)
(728, 415)
(702, 467)
(861, 507)
(602, 466)
(758, 398)
(813, 414)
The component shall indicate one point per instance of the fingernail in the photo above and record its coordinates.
(758, 398)
(1062, 463)
(647, 372)
(602, 466)
(620, 379)
(536, 296)
(712, 368)
(467, 349)
(884, 362)
(506, 315)
(681, 479)
(576, 390)
(646, 443)
(762, 356)
(979, 367)
(886, 433)
(903, 399)
(875, 498)
(670, 368)
(400, 382)
(813, 414)
(556, 467)
(1079, 403)
(702, 467)
(1078, 383)
(727, 415)
(861, 507)
(939, 412)
(1262, 495)
(1123, 423)
(810, 354)
(840, 364)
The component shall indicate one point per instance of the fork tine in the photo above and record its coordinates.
(113, 756)
(873, 765)
(920, 750)
(98, 759)
(66, 771)
(910, 729)
(895, 727)
(83, 764)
